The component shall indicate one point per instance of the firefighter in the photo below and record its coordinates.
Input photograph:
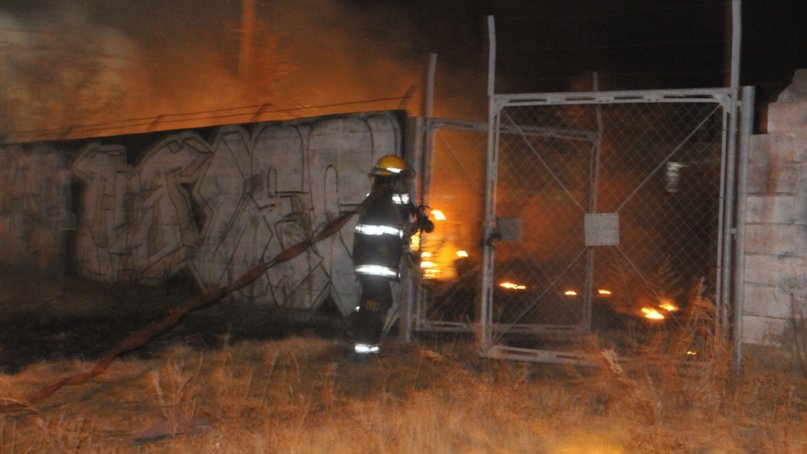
(381, 235)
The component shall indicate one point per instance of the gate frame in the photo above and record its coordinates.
(726, 221)
(428, 128)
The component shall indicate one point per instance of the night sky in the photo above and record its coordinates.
(632, 44)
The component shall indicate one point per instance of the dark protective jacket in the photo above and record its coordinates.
(383, 230)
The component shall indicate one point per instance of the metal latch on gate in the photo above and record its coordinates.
(507, 229)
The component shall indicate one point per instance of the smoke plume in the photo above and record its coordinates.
(69, 63)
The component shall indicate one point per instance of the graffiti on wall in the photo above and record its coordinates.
(215, 209)
(136, 223)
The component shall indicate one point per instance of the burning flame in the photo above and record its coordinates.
(512, 286)
(652, 314)
(430, 269)
(600, 292)
(438, 253)
(414, 242)
(668, 304)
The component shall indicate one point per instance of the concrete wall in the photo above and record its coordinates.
(35, 213)
(211, 209)
(776, 221)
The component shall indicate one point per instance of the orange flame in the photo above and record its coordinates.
(668, 304)
(507, 285)
(652, 314)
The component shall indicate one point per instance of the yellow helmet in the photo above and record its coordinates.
(391, 165)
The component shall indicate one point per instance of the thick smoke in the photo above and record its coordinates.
(63, 72)
(73, 63)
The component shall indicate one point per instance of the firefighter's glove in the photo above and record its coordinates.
(423, 221)
(425, 224)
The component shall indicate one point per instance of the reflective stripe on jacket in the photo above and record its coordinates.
(381, 235)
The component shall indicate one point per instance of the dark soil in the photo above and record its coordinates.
(70, 318)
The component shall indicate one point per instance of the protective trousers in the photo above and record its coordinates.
(376, 300)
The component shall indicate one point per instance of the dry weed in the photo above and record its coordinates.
(306, 395)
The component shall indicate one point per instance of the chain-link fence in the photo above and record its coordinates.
(607, 215)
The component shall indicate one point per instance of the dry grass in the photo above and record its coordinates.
(306, 395)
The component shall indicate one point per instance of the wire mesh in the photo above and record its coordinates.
(617, 215)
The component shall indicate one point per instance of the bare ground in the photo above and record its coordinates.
(72, 318)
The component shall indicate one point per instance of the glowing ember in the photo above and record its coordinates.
(512, 286)
(425, 254)
(438, 215)
(570, 293)
(652, 314)
(462, 254)
(604, 292)
(691, 353)
(427, 264)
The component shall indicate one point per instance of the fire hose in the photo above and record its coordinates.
(144, 335)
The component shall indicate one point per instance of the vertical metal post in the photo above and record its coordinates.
(736, 39)
(594, 182)
(424, 142)
(485, 298)
(725, 293)
(410, 294)
(746, 129)
(428, 140)
(429, 101)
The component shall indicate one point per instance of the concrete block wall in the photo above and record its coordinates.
(775, 276)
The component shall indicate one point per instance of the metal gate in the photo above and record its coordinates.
(451, 256)
(603, 212)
